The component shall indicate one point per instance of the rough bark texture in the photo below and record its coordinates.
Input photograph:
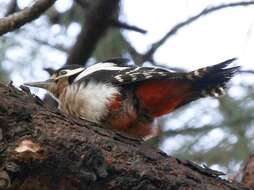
(248, 173)
(28, 14)
(44, 149)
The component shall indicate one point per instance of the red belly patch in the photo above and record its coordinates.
(126, 119)
(159, 97)
(115, 104)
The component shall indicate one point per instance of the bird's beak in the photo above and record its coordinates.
(43, 84)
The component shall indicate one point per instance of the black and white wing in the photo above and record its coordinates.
(110, 72)
(137, 74)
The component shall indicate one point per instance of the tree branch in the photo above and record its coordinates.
(189, 131)
(114, 22)
(16, 20)
(82, 3)
(97, 21)
(247, 71)
(149, 54)
(12, 7)
(43, 148)
(123, 25)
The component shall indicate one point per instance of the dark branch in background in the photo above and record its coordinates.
(123, 25)
(247, 71)
(189, 131)
(149, 54)
(16, 20)
(136, 56)
(97, 20)
(82, 4)
(12, 7)
(114, 23)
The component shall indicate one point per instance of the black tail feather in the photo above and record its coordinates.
(222, 65)
(212, 80)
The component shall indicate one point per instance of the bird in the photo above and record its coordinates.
(128, 98)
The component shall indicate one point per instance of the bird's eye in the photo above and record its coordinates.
(63, 72)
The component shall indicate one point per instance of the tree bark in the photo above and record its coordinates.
(248, 173)
(44, 149)
(24, 16)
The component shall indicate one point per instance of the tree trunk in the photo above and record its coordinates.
(44, 149)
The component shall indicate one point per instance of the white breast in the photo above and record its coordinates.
(88, 102)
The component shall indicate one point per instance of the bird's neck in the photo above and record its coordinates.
(59, 88)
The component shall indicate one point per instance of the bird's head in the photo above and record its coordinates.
(59, 79)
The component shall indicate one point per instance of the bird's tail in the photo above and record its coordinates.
(159, 97)
(211, 81)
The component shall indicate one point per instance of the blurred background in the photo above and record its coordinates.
(180, 35)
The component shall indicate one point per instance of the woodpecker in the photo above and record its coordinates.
(128, 98)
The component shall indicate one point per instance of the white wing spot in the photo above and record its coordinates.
(213, 93)
(148, 76)
(134, 78)
(119, 78)
(196, 73)
(162, 73)
(189, 76)
(220, 91)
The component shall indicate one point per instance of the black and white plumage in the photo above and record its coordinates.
(116, 72)
(127, 98)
